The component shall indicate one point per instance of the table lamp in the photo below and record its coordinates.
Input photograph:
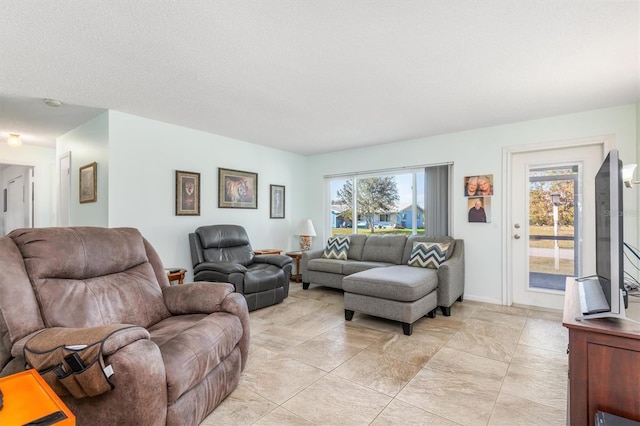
(306, 230)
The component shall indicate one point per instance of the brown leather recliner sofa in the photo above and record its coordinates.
(180, 350)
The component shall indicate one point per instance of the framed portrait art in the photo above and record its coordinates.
(237, 189)
(187, 193)
(478, 186)
(88, 183)
(276, 202)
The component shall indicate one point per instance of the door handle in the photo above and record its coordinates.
(516, 236)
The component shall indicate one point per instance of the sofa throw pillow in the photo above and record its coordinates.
(428, 255)
(337, 248)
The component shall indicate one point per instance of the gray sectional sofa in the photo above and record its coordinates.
(380, 281)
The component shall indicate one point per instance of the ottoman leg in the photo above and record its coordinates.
(446, 310)
(348, 314)
(407, 328)
(305, 286)
(432, 314)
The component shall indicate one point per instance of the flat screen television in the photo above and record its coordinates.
(605, 295)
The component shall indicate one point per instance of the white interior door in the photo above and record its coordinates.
(17, 211)
(550, 241)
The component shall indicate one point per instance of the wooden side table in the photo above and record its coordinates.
(176, 275)
(296, 255)
(27, 397)
(266, 251)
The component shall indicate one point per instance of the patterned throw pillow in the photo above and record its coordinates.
(428, 255)
(337, 248)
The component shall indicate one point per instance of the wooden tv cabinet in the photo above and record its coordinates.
(604, 362)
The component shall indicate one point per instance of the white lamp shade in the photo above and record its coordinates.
(305, 227)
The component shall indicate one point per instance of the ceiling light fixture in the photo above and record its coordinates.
(53, 102)
(14, 139)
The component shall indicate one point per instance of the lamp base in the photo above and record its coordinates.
(305, 242)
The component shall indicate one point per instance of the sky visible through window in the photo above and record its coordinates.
(404, 188)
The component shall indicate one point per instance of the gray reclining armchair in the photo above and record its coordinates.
(223, 253)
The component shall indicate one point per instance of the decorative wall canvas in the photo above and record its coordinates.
(479, 185)
(479, 209)
(88, 183)
(187, 193)
(237, 189)
(276, 202)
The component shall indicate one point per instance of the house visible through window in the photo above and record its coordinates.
(392, 202)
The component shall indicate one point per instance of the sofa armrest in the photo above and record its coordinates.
(236, 304)
(196, 298)
(118, 336)
(222, 267)
(451, 277)
(306, 257)
(86, 374)
(278, 260)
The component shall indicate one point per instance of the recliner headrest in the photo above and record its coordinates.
(221, 236)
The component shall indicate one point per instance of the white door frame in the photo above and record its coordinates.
(606, 141)
(64, 189)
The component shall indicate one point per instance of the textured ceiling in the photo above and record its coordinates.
(315, 76)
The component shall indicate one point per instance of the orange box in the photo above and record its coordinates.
(27, 397)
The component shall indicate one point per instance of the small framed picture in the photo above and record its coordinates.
(479, 209)
(88, 183)
(237, 189)
(276, 202)
(187, 193)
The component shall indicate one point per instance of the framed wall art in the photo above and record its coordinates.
(237, 189)
(478, 186)
(276, 202)
(187, 193)
(479, 209)
(88, 183)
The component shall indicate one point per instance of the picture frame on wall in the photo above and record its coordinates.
(237, 189)
(187, 193)
(479, 209)
(276, 202)
(478, 186)
(88, 178)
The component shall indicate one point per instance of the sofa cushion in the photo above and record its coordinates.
(428, 255)
(355, 267)
(337, 248)
(103, 272)
(398, 282)
(333, 266)
(356, 245)
(262, 277)
(442, 239)
(199, 341)
(384, 248)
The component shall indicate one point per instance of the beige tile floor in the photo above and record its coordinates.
(484, 365)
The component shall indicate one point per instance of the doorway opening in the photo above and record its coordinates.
(554, 251)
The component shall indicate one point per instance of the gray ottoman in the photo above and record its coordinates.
(400, 293)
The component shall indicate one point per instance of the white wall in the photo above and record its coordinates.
(477, 152)
(143, 158)
(44, 163)
(87, 143)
